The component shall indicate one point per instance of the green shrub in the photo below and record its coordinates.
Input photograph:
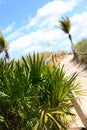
(81, 51)
(81, 46)
(34, 96)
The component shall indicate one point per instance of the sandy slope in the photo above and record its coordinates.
(72, 67)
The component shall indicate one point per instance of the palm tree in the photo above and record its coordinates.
(65, 25)
(3, 45)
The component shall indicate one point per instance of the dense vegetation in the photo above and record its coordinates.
(81, 46)
(34, 96)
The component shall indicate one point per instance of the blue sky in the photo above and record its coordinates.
(32, 25)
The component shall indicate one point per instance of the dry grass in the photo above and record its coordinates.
(55, 58)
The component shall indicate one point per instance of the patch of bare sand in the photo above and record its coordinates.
(71, 68)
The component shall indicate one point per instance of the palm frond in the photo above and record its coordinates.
(3, 44)
(65, 25)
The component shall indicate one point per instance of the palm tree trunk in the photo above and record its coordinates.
(6, 54)
(70, 38)
(74, 53)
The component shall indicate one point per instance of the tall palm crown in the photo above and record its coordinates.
(65, 25)
(3, 45)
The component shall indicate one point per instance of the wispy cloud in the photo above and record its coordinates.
(9, 28)
(16, 34)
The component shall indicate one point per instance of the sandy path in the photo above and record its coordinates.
(72, 67)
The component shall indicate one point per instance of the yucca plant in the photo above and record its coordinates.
(14, 103)
(20, 87)
(56, 101)
(36, 66)
(33, 96)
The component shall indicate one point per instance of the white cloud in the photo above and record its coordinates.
(9, 28)
(34, 41)
(79, 24)
(56, 7)
(51, 10)
(15, 34)
(31, 49)
(41, 28)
